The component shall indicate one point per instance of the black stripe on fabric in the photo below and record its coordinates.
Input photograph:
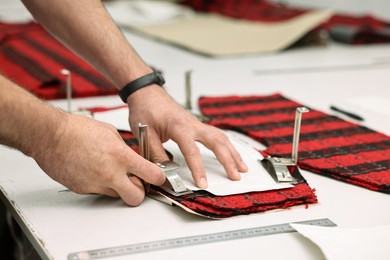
(245, 101)
(30, 66)
(281, 124)
(359, 169)
(385, 188)
(342, 150)
(242, 115)
(319, 135)
(96, 81)
(131, 141)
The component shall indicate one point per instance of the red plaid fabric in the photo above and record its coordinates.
(254, 10)
(210, 205)
(33, 59)
(342, 27)
(328, 145)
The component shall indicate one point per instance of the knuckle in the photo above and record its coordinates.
(220, 139)
(192, 152)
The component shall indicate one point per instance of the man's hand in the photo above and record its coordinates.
(168, 120)
(85, 155)
(88, 156)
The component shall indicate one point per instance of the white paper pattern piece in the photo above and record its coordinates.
(256, 179)
(348, 244)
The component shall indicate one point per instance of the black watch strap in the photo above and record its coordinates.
(151, 78)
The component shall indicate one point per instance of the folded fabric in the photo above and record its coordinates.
(209, 205)
(33, 59)
(328, 145)
(341, 27)
(365, 29)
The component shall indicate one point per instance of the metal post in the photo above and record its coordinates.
(188, 104)
(144, 141)
(297, 129)
(68, 88)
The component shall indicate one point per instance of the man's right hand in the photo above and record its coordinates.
(89, 156)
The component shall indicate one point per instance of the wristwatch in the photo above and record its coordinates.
(152, 78)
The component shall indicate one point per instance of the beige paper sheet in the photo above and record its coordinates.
(215, 35)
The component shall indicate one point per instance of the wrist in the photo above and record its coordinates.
(29, 124)
(153, 78)
(48, 133)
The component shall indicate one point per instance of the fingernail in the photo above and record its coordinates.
(203, 183)
(236, 175)
(163, 177)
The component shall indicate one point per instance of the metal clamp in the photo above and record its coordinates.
(144, 148)
(276, 166)
(173, 183)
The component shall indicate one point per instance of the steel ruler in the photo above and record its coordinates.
(193, 240)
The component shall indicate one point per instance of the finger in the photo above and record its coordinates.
(145, 170)
(130, 190)
(241, 165)
(157, 151)
(137, 181)
(192, 156)
(99, 190)
(225, 152)
(109, 192)
(112, 193)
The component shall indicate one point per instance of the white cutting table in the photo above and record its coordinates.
(58, 222)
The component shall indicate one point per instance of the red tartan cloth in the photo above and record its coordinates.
(342, 27)
(214, 206)
(33, 59)
(328, 145)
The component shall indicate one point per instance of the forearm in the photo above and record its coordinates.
(26, 123)
(87, 29)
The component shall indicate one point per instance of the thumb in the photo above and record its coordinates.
(157, 151)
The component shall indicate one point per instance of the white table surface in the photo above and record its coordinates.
(59, 222)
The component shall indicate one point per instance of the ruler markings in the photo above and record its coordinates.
(194, 240)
